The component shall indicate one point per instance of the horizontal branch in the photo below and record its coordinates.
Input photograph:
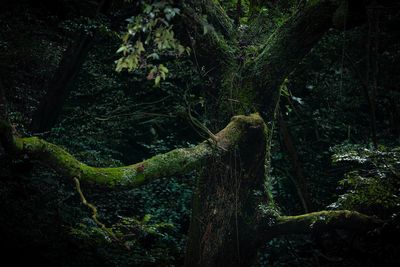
(175, 162)
(321, 221)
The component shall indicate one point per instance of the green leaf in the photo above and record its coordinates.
(146, 218)
(157, 81)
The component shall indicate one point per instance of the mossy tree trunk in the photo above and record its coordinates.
(226, 220)
(283, 50)
(233, 212)
(225, 206)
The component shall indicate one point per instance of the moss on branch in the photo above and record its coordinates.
(175, 162)
(321, 221)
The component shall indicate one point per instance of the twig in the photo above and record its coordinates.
(94, 211)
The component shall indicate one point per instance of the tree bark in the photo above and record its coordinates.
(211, 37)
(284, 49)
(226, 202)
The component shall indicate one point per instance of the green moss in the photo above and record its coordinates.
(178, 161)
(324, 217)
(51, 155)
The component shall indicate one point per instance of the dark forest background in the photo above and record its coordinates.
(336, 136)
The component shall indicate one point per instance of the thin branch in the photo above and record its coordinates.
(317, 222)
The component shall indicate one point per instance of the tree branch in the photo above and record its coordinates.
(321, 221)
(211, 33)
(285, 48)
(175, 162)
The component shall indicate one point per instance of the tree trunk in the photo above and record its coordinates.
(281, 53)
(225, 206)
(7, 141)
(238, 12)
(61, 84)
(233, 212)
(298, 179)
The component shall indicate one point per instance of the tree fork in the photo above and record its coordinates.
(229, 219)
(285, 48)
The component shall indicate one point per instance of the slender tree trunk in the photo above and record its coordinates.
(373, 20)
(238, 12)
(7, 143)
(298, 179)
(62, 82)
